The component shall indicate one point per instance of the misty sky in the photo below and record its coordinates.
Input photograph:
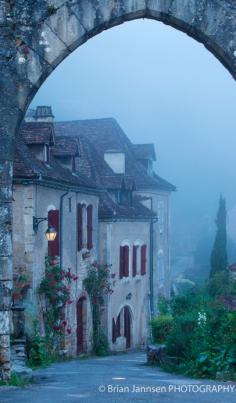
(162, 87)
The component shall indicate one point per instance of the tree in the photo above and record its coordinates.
(219, 260)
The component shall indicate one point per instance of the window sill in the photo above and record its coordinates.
(125, 280)
(138, 277)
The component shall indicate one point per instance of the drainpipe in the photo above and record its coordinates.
(152, 221)
(61, 227)
(151, 269)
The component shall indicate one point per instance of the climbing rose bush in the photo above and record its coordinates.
(56, 289)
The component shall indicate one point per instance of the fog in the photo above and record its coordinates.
(162, 87)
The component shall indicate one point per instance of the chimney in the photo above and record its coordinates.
(29, 117)
(43, 114)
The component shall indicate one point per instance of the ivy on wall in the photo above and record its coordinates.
(98, 285)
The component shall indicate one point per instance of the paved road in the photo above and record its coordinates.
(119, 379)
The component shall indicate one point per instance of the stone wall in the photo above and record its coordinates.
(30, 249)
(128, 291)
(161, 242)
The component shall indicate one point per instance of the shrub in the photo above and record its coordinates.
(98, 284)
(161, 327)
(200, 337)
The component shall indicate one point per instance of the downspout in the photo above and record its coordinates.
(61, 228)
(151, 269)
(152, 221)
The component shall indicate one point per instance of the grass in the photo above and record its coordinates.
(15, 380)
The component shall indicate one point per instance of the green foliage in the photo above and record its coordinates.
(161, 327)
(201, 340)
(219, 283)
(163, 305)
(51, 9)
(37, 349)
(15, 380)
(97, 284)
(55, 289)
(219, 260)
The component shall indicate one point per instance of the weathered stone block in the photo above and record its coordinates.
(5, 295)
(4, 323)
(5, 268)
(5, 193)
(4, 341)
(5, 230)
(6, 171)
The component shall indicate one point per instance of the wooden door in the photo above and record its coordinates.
(80, 325)
(127, 326)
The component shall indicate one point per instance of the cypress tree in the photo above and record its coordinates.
(219, 260)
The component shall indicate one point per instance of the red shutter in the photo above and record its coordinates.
(80, 226)
(143, 259)
(121, 261)
(113, 330)
(135, 260)
(126, 271)
(118, 326)
(90, 227)
(53, 220)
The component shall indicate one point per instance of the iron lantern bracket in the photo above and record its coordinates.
(37, 221)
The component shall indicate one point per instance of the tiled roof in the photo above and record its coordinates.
(144, 151)
(106, 134)
(118, 182)
(64, 148)
(37, 132)
(27, 166)
(109, 209)
(92, 165)
(90, 162)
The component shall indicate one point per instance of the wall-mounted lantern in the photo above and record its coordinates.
(51, 232)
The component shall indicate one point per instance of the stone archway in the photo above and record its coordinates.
(38, 35)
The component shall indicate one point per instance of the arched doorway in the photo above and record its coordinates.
(122, 327)
(81, 325)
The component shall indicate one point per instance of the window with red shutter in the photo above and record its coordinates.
(126, 258)
(124, 261)
(121, 261)
(143, 259)
(118, 334)
(113, 330)
(80, 226)
(135, 248)
(90, 227)
(54, 246)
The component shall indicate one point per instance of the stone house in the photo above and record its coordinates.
(132, 162)
(45, 192)
(102, 195)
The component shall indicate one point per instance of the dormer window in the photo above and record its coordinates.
(116, 161)
(46, 154)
